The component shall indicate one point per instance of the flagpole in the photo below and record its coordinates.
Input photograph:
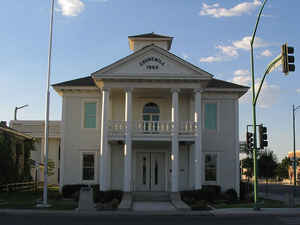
(46, 144)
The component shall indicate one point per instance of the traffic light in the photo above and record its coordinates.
(249, 140)
(287, 60)
(263, 137)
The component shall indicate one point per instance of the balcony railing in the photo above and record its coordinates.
(118, 128)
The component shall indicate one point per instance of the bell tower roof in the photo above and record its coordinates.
(137, 42)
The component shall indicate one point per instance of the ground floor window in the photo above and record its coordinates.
(211, 167)
(88, 166)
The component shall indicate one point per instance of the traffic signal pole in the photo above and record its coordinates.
(254, 109)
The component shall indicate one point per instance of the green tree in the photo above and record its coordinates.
(267, 165)
(282, 171)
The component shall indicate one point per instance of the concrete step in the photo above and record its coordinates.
(151, 196)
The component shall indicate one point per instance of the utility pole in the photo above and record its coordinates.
(294, 148)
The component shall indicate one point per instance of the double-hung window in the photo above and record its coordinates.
(88, 166)
(210, 113)
(90, 115)
(211, 164)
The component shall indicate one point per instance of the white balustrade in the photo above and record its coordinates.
(187, 128)
(118, 128)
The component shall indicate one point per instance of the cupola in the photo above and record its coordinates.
(140, 41)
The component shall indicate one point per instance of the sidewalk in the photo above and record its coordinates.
(104, 213)
(250, 211)
(216, 212)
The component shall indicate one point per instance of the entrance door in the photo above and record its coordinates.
(150, 171)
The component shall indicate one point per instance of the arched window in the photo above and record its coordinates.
(151, 116)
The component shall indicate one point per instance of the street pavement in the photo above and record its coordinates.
(279, 189)
(49, 219)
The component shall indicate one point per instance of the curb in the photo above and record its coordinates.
(104, 213)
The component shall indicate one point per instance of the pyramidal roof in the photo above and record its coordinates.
(150, 35)
(137, 42)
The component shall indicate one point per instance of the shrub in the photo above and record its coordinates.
(107, 196)
(231, 195)
(208, 193)
(71, 191)
(245, 190)
(215, 189)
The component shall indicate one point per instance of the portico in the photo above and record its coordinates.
(172, 131)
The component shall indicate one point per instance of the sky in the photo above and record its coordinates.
(90, 34)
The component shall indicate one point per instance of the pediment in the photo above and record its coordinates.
(152, 61)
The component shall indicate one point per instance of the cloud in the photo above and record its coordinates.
(185, 56)
(71, 7)
(228, 50)
(216, 11)
(266, 53)
(211, 59)
(242, 80)
(241, 72)
(245, 43)
(298, 90)
(269, 94)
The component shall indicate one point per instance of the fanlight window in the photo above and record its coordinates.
(151, 108)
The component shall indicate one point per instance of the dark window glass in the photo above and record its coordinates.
(151, 108)
(88, 167)
(211, 167)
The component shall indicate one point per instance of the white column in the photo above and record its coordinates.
(108, 184)
(104, 141)
(198, 139)
(62, 144)
(175, 144)
(128, 141)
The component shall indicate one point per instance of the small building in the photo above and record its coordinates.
(16, 165)
(35, 128)
(291, 168)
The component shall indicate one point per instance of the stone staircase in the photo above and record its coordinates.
(151, 197)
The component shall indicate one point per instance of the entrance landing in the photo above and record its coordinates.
(153, 206)
(152, 201)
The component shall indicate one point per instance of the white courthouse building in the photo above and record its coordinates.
(150, 121)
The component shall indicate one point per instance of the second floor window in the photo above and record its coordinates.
(90, 112)
(210, 116)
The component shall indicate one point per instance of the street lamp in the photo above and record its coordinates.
(17, 108)
(294, 145)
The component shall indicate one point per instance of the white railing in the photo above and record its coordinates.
(187, 128)
(152, 127)
(118, 128)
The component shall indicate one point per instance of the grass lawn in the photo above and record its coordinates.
(263, 203)
(27, 200)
